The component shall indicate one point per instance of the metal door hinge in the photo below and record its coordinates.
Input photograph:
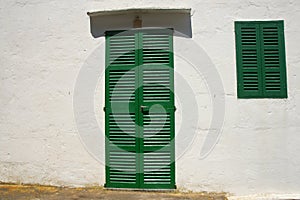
(172, 109)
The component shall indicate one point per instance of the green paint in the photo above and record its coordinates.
(260, 57)
(144, 65)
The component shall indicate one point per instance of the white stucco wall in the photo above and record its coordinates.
(45, 44)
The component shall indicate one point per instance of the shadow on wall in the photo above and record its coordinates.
(180, 22)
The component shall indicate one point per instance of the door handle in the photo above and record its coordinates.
(144, 109)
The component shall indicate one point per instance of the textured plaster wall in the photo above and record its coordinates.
(46, 43)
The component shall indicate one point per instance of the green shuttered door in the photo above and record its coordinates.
(139, 109)
(260, 55)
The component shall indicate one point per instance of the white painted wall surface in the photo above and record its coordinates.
(45, 44)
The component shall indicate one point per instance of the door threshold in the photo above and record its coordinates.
(141, 189)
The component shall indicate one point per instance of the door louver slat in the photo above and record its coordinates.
(157, 169)
(156, 48)
(157, 130)
(122, 167)
(122, 50)
(156, 83)
(121, 85)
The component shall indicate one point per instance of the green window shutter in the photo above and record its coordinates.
(248, 60)
(260, 53)
(273, 59)
(140, 148)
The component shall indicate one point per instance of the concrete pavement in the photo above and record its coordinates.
(35, 192)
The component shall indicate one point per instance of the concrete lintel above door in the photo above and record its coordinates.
(122, 19)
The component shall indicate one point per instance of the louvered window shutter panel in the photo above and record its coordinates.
(248, 60)
(273, 59)
(260, 53)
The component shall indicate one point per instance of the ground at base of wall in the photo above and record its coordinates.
(35, 192)
(267, 197)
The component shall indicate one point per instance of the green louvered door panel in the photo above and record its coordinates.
(248, 60)
(260, 52)
(273, 59)
(157, 80)
(121, 78)
(139, 114)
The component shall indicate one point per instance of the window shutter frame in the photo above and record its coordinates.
(262, 70)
